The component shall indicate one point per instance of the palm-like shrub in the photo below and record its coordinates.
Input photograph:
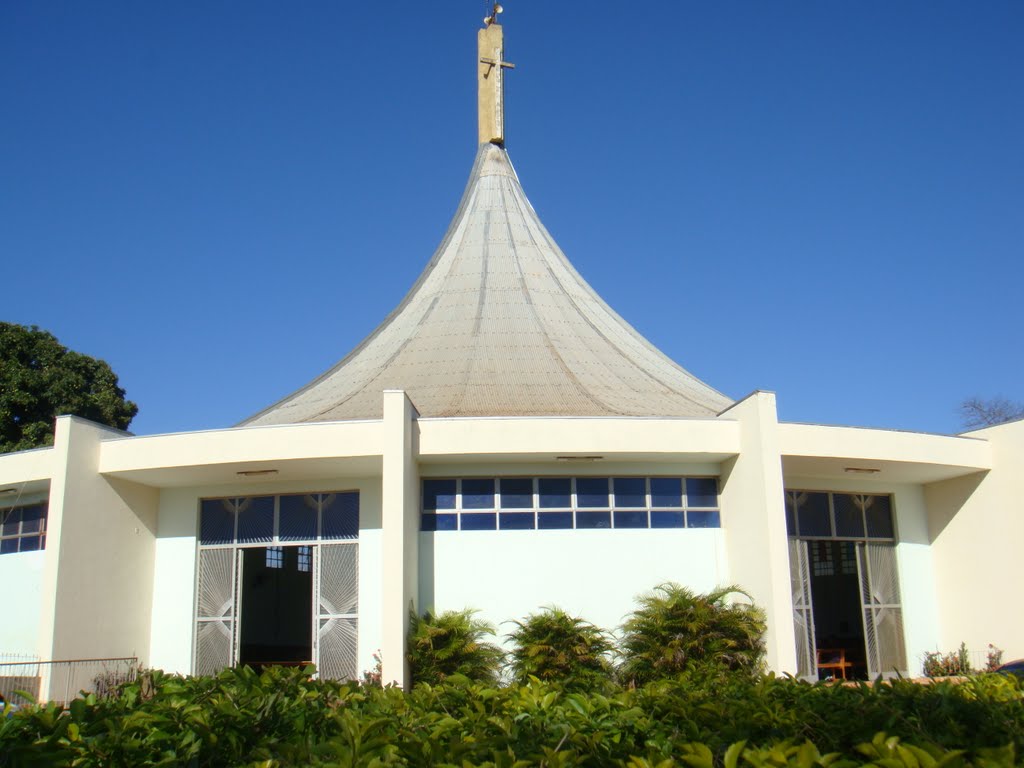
(555, 647)
(676, 630)
(451, 645)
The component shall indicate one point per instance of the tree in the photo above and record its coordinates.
(675, 630)
(553, 646)
(41, 379)
(451, 645)
(977, 412)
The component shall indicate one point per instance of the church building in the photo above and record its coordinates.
(504, 441)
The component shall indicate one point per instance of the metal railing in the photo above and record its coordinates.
(62, 680)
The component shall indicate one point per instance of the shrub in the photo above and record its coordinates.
(555, 647)
(951, 664)
(449, 645)
(675, 629)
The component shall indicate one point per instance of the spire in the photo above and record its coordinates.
(490, 76)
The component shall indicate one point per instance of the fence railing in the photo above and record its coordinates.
(62, 680)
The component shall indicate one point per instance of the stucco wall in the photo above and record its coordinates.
(174, 579)
(592, 574)
(21, 581)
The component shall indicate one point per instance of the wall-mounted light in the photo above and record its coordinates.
(256, 472)
(7, 491)
(862, 470)
(578, 458)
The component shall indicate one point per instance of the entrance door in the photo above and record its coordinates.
(276, 606)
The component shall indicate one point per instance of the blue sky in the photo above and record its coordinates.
(822, 199)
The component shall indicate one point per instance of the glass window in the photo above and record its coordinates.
(790, 514)
(299, 517)
(439, 494)
(517, 493)
(849, 515)
(593, 520)
(217, 521)
(479, 521)
(555, 492)
(630, 519)
(11, 545)
(630, 492)
(703, 519)
(701, 492)
(256, 519)
(813, 517)
(666, 492)
(439, 522)
(305, 563)
(12, 522)
(275, 557)
(592, 492)
(552, 520)
(878, 511)
(339, 515)
(478, 494)
(667, 519)
(32, 519)
(516, 521)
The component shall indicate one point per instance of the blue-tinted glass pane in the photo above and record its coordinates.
(701, 492)
(516, 521)
(812, 514)
(790, 515)
(592, 492)
(630, 519)
(703, 520)
(439, 494)
(879, 515)
(216, 522)
(31, 543)
(478, 494)
(593, 520)
(555, 493)
(432, 522)
(339, 516)
(32, 520)
(550, 520)
(630, 492)
(517, 493)
(256, 519)
(479, 521)
(665, 519)
(12, 522)
(298, 517)
(849, 515)
(666, 492)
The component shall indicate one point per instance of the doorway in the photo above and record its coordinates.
(276, 606)
(838, 619)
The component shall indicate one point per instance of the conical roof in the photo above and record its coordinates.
(501, 324)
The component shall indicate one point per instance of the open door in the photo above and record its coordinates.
(803, 609)
(215, 611)
(883, 613)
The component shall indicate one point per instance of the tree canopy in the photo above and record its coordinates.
(977, 412)
(41, 379)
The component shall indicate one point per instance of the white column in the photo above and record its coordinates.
(754, 521)
(400, 536)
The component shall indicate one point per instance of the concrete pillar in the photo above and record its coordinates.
(400, 535)
(754, 520)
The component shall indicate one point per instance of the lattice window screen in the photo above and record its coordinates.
(215, 611)
(883, 612)
(337, 612)
(803, 610)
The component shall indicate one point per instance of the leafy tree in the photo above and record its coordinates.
(41, 379)
(451, 645)
(977, 412)
(676, 630)
(553, 646)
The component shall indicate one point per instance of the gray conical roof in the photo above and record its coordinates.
(500, 324)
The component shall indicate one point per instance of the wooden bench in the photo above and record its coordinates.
(834, 659)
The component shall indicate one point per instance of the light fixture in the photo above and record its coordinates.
(256, 472)
(7, 491)
(578, 458)
(862, 470)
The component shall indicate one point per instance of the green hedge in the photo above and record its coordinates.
(283, 718)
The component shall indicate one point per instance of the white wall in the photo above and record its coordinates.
(21, 581)
(174, 579)
(594, 574)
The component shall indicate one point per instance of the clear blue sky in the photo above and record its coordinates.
(823, 199)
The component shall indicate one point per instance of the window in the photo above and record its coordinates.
(821, 515)
(552, 503)
(275, 557)
(23, 529)
(277, 519)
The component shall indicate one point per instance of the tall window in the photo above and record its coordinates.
(23, 529)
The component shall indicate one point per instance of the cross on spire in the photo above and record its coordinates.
(490, 76)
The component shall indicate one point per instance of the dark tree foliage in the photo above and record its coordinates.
(553, 646)
(41, 379)
(451, 646)
(977, 412)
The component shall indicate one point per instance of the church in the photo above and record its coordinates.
(504, 441)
